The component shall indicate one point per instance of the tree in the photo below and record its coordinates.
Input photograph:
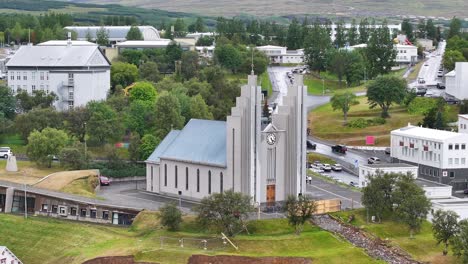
(147, 145)
(37, 119)
(43, 145)
(134, 34)
(75, 120)
(352, 35)
(299, 210)
(294, 38)
(228, 56)
(412, 203)
(340, 37)
(454, 28)
(377, 194)
(133, 148)
(460, 241)
(39, 99)
(431, 29)
(7, 102)
(407, 29)
(225, 211)
(205, 41)
(143, 91)
(385, 91)
(168, 114)
(140, 117)
(88, 36)
(190, 64)
(445, 227)
(451, 57)
(317, 45)
(102, 37)
(344, 102)
(73, 158)
(180, 28)
(17, 32)
(170, 216)
(104, 126)
(123, 74)
(199, 25)
(149, 71)
(380, 53)
(364, 31)
(422, 29)
(199, 109)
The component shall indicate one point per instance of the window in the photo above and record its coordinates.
(105, 215)
(25, 76)
(93, 213)
(456, 161)
(63, 210)
(450, 161)
(457, 147)
(463, 161)
(463, 146)
(33, 76)
(54, 209)
(70, 104)
(452, 174)
(18, 75)
(175, 176)
(209, 182)
(221, 182)
(12, 76)
(83, 212)
(73, 211)
(47, 76)
(41, 76)
(186, 178)
(450, 146)
(165, 174)
(198, 180)
(44, 208)
(33, 87)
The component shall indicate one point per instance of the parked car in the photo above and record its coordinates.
(326, 167)
(421, 80)
(387, 151)
(339, 149)
(421, 91)
(430, 94)
(440, 74)
(5, 152)
(311, 145)
(104, 181)
(465, 191)
(450, 99)
(440, 86)
(354, 184)
(373, 160)
(336, 167)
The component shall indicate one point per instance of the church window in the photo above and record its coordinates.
(209, 182)
(198, 180)
(165, 174)
(221, 182)
(186, 178)
(176, 176)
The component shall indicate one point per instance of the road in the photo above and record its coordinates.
(279, 82)
(322, 190)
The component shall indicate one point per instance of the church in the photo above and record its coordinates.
(264, 161)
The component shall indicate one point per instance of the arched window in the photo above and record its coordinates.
(198, 180)
(186, 178)
(209, 182)
(221, 180)
(176, 176)
(165, 174)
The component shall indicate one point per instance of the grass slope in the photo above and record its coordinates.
(42, 240)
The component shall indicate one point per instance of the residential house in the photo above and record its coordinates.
(278, 54)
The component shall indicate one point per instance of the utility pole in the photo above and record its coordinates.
(25, 199)
(85, 146)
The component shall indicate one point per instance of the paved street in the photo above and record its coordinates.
(322, 190)
(279, 82)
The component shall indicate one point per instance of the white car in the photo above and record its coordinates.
(336, 167)
(326, 167)
(5, 152)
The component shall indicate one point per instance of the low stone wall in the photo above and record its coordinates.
(127, 179)
(115, 260)
(224, 259)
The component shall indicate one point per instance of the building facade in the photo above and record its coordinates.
(116, 33)
(393, 28)
(406, 54)
(278, 54)
(367, 171)
(456, 81)
(441, 156)
(266, 162)
(7, 257)
(76, 74)
(463, 124)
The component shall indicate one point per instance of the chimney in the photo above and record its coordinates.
(69, 41)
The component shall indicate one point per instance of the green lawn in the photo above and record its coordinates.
(43, 240)
(265, 83)
(315, 86)
(328, 124)
(15, 142)
(423, 247)
(414, 73)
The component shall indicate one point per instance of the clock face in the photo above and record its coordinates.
(271, 139)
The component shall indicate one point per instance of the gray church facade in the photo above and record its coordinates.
(264, 161)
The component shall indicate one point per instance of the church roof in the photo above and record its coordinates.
(199, 142)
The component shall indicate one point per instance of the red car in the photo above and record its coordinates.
(104, 181)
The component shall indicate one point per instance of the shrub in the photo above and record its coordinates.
(376, 121)
(421, 105)
(123, 170)
(358, 123)
(170, 217)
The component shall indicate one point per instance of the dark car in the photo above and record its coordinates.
(420, 91)
(387, 151)
(465, 191)
(311, 145)
(104, 181)
(450, 99)
(373, 160)
(339, 149)
(440, 86)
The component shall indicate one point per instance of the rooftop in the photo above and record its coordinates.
(389, 165)
(65, 43)
(144, 43)
(167, 141)
(426, 133)
(425, 183)
(115, 32)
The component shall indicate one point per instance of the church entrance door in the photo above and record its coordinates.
(271, 194)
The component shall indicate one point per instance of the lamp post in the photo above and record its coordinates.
(85, 146)
(25, 199)
(323, 86)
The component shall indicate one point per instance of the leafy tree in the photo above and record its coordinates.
(199, 25)
(17, 32)
(431, 29)
(344, 102)
(7, 102)
(454, 28)
(451, 57)
(340, 37)
(75, 122)
(140, 116)
(407, 29)
(133, 148)
(134, 34)
(43, 145)
(143, 91)
(190, 64)
(180, 28)
(380, 54)
(225, 211)
(260, 62)
(299, 210)
(377, 195)
(460, 241)
(104, 125)
(317, 45)
(88, 36)
(294, 37)
(385, 91)
(173, 52)
(228, 56)
(445, 227)
(199, 109)
(168, 114)
(422, 29)
(39, 98)
(73, 158)
(411, 201)
(364, 31)
(135, 57)
(37, 119)
(170, 216)
(147, 145)
(123, 74)
(352, 34)
(205, 41)
(149, 71)
(102, 37)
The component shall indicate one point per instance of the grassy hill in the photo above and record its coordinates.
(372, 8)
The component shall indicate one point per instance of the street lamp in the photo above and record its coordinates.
(323, 86)
(25, 199)
(85, 146)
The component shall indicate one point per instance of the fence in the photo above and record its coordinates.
(328, 206)
(208, 244)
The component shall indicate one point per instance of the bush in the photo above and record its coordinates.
(421, 105)
(123, 170)
(358, 123)
(376, 121)
(170, 217)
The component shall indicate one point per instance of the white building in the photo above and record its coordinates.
(67, 42)
(77, 74)
(406, 54)
(266, 163)
(116, 33)
(427, 44)
(394, 29)
(463, 124)
(440, 155)
(278, 54)
(458, 205)
(7, 257)
(456, 81)
(206, 52)
(367, 171)
(197, 35)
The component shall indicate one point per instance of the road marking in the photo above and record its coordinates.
(352, 200)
